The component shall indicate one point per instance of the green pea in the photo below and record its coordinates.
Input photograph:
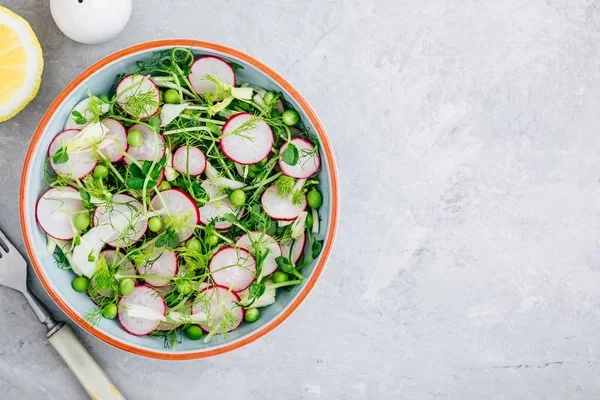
(184, 287)
(252, 314)
(309, 220)
(194, 332)
(171, 96)
(126, 286)
(237, 198)
(100, 172)
(280, 276)
(155, 224)
(268, 97)
(110, 311)
(290, 117)
(193, 244)
(80, 284)
(82, 221)
(164, 185)
(212, 240)
(314, 199)
(135, 138)
(104, 98)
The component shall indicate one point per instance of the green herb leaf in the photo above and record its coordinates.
(154, 122)
(285, 265)
(168, 238)
(317, 246)
(61, 156)
(91, 257)
(85, 198)
(135, 183)
(78, 118)
(256, 290)
(290, 155)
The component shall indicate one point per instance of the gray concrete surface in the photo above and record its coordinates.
(467, 264)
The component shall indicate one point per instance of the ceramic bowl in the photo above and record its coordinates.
(98, 79)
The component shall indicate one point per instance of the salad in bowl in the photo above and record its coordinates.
(182, 201)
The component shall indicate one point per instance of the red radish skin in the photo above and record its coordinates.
(297, 248)
(251, 145)
(115, 142)
(165, 264)
(208, 301)
(147, 150)
(213, 66)
(122, 210)
(216, 209)
(132, 85)
(306, 166)
(81, 162)
(50, 216)
(233, 268)
(189, 160)
(178, 202)
(247, 241)
(146, 296)
(281, 208)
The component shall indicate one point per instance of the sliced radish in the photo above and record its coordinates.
(56, 210)
(189, 160)
(216, 302)
(255, 240)
(170, 173)
(138, 95)
(113, 258)
(212, 66)
(87, 252)
(124, 220)
(296, 249)
(132, 321)
(216, 208)
(175, 202)
(247, 139)
(83, 107)
(80, 163)
(233, 268)
(308, 163)
(281, 208)
(115, 141)
(152, 148)
(160, 264)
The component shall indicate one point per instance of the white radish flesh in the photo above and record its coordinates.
(189, 160)
(170, 173)
(138, 95)
(56, 213)
(297, 248)
(258, 240)
(281, 208)
(233, 268)
(247, 139)
(142, 296)
(315, 215)
(160, 264)
(83, 107)
(152, 148)
(87, 252)
(123, 219)
(216, 302)
(211, 66)
(114, 143)
(175, 202)
(216, 208)
(308, 163)
(267, 298)
(80, 162)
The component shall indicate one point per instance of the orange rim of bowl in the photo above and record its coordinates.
(326, 145)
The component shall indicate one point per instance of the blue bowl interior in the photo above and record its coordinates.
(60, 280)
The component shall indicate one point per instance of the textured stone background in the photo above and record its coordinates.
(467, 264)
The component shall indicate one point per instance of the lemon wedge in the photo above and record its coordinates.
(21, 64)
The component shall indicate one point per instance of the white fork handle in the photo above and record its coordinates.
(82, 364)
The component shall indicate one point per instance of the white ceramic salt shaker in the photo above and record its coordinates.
(91, 21)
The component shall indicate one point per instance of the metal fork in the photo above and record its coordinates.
(13, 274)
